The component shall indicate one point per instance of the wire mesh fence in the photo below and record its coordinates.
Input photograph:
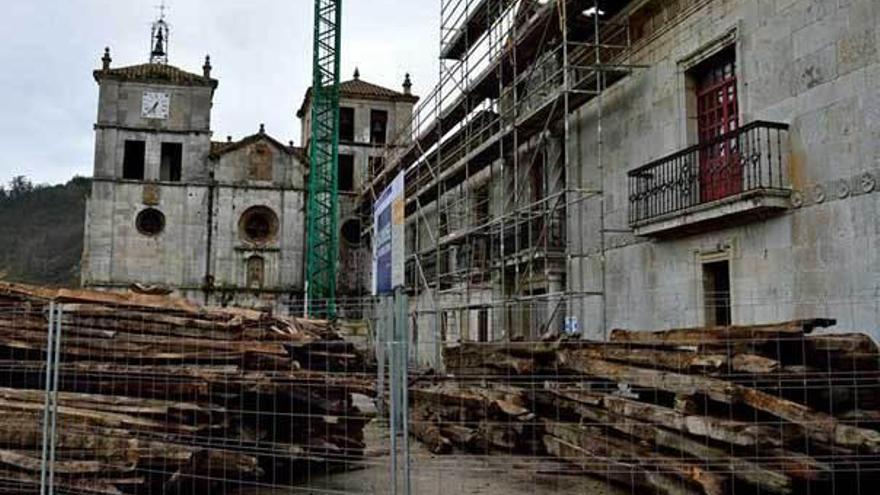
(144, 394)
(105, 393)
(731, 409)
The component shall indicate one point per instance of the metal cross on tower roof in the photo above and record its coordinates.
(161, 8)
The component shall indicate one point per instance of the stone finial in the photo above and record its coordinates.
(106, 60)
(207, 67)
(228, 139)
(357, 73)
(407, 85)
(290, 143)
(262, 128)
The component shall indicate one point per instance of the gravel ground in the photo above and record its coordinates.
(448, 475)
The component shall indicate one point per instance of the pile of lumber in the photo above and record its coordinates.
(759, 409)
(157, 395)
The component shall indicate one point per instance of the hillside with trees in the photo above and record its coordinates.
(41, 231)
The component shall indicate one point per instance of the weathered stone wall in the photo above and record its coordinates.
(202, 245)
(284, 253)
(119, 104)
(355, 261)
(119, 119)
(117, 255)
(110, 152)
(235, 167)
(810, 63)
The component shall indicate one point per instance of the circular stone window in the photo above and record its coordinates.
(258, 225)
(150, 222)
(351, 231)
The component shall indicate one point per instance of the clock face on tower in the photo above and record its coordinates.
(155, 105)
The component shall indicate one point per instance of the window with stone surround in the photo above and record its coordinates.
(171, 166)
(150, 222)
(134, 159)
(378, 126)
(258, 225)
(346, 173)
(346, 124)
(483, 325)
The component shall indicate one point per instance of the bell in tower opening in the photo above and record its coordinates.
(159, 39)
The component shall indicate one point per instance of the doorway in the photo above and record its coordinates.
(721, 173)
(716, 293)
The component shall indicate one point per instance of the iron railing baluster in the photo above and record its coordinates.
(727, 165)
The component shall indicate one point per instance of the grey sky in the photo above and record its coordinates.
(260, 50)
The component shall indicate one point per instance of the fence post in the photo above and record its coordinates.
(394, 335)
(59, 316)
(379, 342)
(393, 391)
(50, 402)
(401, 330)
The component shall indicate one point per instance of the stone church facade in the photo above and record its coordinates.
(373, 120)
(171, 210)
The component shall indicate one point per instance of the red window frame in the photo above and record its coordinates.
(721, 172)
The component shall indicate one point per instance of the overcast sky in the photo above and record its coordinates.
(260, 50)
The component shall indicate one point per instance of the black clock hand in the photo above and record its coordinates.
(155, 105)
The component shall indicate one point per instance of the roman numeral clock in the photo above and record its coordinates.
(155, 105)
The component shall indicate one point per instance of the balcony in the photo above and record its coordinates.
(732, 179)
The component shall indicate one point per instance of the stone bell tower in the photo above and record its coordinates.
(149, 197)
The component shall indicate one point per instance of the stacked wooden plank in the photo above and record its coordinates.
(158, 395)
(757, 409)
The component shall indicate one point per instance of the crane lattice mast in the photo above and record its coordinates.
(323, 203)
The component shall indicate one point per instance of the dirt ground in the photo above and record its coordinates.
(449, 474)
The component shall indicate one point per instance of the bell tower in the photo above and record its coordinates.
(159, 38)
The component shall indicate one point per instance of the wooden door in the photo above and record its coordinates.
(721, 172)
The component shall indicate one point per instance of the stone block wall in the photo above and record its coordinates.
(810, 63)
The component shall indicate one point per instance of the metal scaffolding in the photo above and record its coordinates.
(490, 171)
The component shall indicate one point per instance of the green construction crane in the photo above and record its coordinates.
(322, 244)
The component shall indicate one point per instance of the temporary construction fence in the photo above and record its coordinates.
(107, 393)
(757, 409)
(114, 394)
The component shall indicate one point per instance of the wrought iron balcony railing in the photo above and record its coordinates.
(750, 159)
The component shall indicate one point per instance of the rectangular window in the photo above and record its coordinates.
(538, 313)
(378, 126)
(133, 160)
(346, 173)
(483, 326)
(716, 293)
(444, 326)
(172, 162)
(346, 124)
(715, 88)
